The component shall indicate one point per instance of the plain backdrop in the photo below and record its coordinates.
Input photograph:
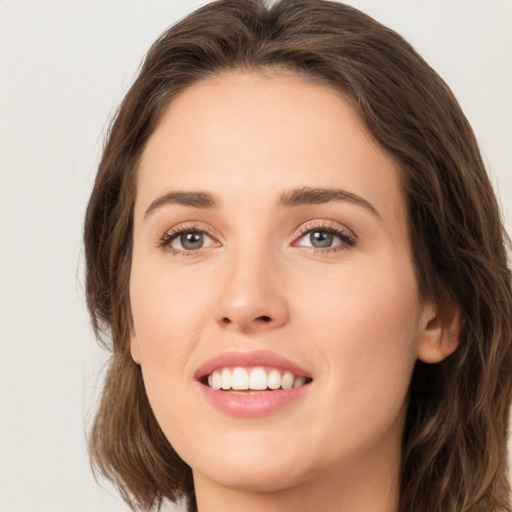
(64, 67)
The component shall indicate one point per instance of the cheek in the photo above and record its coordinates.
(167, 318)
(367, 325)
(368, 305)
(167, 309)
(168, 315)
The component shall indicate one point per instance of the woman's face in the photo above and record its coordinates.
(271, 249)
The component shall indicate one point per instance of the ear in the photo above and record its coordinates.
(134, 346)
(440, 333)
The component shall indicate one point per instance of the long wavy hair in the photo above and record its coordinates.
(454, 441)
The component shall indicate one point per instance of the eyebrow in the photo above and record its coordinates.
(308, 195)
(193, 199)
(288, 199)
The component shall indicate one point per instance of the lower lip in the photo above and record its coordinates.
(253, 404)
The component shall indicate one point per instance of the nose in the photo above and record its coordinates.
(252, 295)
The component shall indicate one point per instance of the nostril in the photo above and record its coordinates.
(263, 319)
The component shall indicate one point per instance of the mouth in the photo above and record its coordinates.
(243, 379)
(253, 384)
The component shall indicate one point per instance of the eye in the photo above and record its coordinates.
(191, 241)
(325, 237)
(320, 239)
(184, 240)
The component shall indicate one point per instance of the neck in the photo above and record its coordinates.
(363, 484)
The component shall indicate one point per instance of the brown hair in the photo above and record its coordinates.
(454, 443)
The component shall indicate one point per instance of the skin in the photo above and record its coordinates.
(351, 314)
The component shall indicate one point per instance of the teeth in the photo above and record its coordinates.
(258, 379)
(274, 379)
(225, 379)
(299, 381)
(240, 379)
(287, 381)
(216, 380)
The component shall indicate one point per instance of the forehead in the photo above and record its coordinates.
(249, 133)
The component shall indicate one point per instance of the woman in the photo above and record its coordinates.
(298, 256)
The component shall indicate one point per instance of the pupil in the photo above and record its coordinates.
(321, 239)
(192, 241)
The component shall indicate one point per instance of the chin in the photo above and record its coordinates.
(254, 476)
(250, 465)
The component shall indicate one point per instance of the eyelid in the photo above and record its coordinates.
(345, 234)
(170, 235)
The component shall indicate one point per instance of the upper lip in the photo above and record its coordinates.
(250, 359)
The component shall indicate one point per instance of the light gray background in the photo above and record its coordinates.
(64, 66)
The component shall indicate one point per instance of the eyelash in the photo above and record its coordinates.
(347, 238)
(172, 234)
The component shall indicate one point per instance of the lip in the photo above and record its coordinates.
(254, 358)
(252, 403)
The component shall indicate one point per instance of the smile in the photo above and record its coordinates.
(254, 379)
(251, 384)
